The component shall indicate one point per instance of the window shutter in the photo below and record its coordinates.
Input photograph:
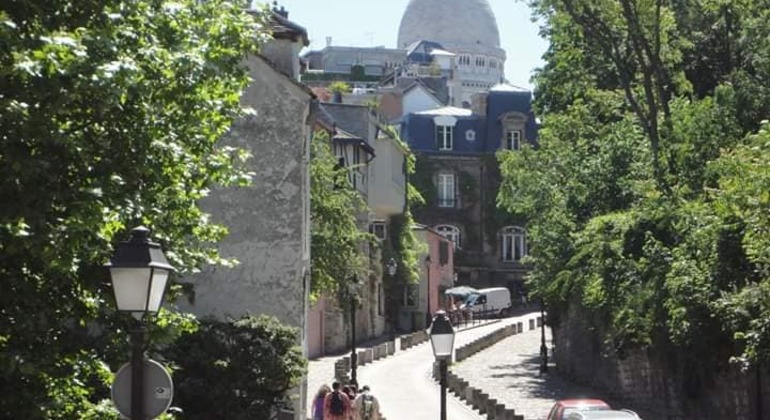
(443, 253)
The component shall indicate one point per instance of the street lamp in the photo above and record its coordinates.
(392, 267)
(428, 314)
(352, 290)
(543, 347)
(139, 273)
(442, 339)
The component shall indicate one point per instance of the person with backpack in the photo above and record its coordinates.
(337, 405)
(366, 405)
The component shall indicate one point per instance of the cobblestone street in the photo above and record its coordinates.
(509, 371)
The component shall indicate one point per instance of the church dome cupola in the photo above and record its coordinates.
(455, 24)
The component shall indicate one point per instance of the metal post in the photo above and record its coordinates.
(353, 353)
(428, 318)
(543, 347)
(137, 372)
(759, 391)
(443, 368)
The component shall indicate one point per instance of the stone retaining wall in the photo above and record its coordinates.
(640, 378)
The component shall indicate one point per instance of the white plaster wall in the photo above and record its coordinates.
(268, 220)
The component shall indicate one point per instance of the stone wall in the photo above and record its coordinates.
(644, 382)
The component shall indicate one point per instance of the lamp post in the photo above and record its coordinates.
(139, 273)
(442, 339)
(428, 315)
(543, 347)
(353, 289)
(392, 267)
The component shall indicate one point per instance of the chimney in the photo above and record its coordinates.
(479, 103)
(328, 41)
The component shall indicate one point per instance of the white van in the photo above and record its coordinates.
(493, 301)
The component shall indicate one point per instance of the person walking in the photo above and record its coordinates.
(366, 406)
(337, 405)
(317, 410)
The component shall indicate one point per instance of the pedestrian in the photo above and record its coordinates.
(317, 410)
(366, 405)
(337, 405)
(350, 391)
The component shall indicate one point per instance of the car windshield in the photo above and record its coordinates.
(572, 410)
(471, 299)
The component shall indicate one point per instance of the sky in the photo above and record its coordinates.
(369, 23)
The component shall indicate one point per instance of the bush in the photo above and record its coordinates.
(241, 369)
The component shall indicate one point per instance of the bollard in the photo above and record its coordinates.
(491, 404)
(500, 411)
(483, 397)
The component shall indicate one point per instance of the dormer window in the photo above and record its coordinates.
(444, 132)
(444, 137)
(513, 125)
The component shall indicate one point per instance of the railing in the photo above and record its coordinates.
(446, 202)
(466, 317)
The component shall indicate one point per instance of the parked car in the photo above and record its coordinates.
(561, 410)
(604, 415)
(493, 300)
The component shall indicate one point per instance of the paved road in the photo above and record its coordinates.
(402, 382)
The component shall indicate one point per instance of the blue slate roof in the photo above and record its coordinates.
(473, 133)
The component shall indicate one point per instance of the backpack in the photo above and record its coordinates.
(368, 406)
(336, 406)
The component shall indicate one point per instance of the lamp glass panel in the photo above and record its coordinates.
(159, 280)
(131, 286)
(442, 344)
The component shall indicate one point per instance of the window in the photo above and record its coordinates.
(450, 232)
(380, 300)
(513, 139)
(379, 230)
(464, 60)
(444, 137)
(481, 62)
(446, 190)
(514, 246)
(411, 295)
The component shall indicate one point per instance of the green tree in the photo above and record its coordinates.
(240, 369)
(111, 114)
(642, 199)
(336, 242)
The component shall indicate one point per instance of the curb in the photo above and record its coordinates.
(474, 397)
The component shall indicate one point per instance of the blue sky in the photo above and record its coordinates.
(375, 23)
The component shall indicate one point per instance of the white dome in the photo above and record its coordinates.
(467, 25)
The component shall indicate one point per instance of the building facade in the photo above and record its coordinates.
(458, 175)
(269, 220)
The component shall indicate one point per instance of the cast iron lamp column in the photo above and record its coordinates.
(442, 339)
(428, 315)
(543, 347)
(139, 273)
(392, 268)
(353, 354)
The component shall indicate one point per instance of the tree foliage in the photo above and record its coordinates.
(336, 241)
(240, 369)
(644, 197)
(111, 111)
